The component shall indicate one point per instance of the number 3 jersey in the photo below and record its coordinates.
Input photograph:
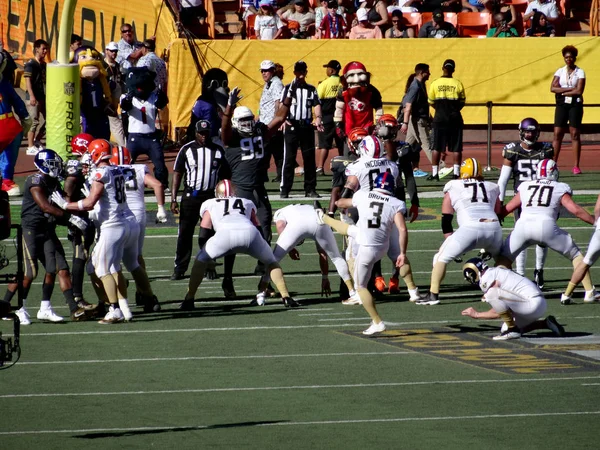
(367, 169)
(112, 207)
(524, 162)
(245, 157)
(472, 199)
(228, 213)
(542, 198)
(376, 216)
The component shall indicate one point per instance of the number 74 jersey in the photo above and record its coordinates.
(472, 199)
(228, 213)
(542, 198)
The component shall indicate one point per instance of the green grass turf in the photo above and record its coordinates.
(231, 376)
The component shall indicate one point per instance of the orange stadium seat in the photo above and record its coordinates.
(473, 24)
(448, 17)
(413, 20)
(250, 33)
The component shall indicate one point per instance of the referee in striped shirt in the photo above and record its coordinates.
(299, 132)
(201, 164)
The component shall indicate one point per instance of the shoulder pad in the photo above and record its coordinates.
(339, 163)
(36, 179)
(73, 167)
(509, 151)
(448, 186)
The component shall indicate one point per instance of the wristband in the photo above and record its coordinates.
(80, 205)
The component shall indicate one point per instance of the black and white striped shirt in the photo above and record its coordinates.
(303, 100)
(200, 165)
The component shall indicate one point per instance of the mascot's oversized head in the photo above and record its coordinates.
(215, 87)
(91, 68)
(355, 75)
(140, 82)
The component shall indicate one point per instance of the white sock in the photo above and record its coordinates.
(413, 292)
(123, 303)
(540, 257)
(434, 170)
(45, 304)
(456, 169)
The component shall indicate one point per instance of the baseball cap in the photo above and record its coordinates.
(265, 3)
(300, 66)
(203, 126)
(362, 14)
(112, 46)
(298, 2)
(332, 4)
(267, 65)
(333, 64)
(438, 14)
(449, 63)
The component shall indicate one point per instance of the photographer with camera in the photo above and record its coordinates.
(502, 28)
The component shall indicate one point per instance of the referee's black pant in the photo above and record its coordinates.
(189, 214)
(264, 212)
(302, 136)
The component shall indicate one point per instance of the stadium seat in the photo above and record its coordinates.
(448, 17)
(250, 33)
(413, 20)
(473, 24)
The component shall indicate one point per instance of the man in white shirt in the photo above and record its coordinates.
(548, 7)
(269, 104)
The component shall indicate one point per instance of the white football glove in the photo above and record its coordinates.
(234, 97)
(59, 200)
(85, 190)
(161, 215)
(78, 222)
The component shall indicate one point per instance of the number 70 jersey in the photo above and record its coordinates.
(472, 199)
(228, 213)
(542, 198)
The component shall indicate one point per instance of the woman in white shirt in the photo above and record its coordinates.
(267, 25)
(568, 85)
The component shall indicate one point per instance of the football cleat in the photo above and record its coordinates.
(414, 295)
(187, 304)
(114, 315)
(429, 299)
(80, 315)
(259, 300)
(538, 276)
(374, 328)
(508, 334)
(124, 307)
(23, 316)
(443, 173)
(433, 177)
(354, 299)
(380, 284)
(85, 305)
(555, 327)
(565, 300)
(394, 286)
(289, 302)
(48, 315)
(151, 304)
(591, 296)
(228, 288)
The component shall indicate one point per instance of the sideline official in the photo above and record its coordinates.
(201, 164)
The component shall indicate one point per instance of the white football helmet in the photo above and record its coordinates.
(243, 120)
(371, 147)
(547, 170)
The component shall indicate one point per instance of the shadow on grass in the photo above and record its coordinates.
(158, 430)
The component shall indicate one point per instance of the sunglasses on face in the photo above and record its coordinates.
(126, 31)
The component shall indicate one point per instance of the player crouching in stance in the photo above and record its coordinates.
(378, 212)
(583, 267)
(513, 298)
(236, 230)
(40, 243)
(540, 201)
(118, 237)
(295, 223)
(476, 204)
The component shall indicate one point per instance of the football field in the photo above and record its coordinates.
(229, 375)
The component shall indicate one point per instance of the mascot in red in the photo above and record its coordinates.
(354, 106)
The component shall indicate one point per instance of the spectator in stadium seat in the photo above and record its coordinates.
(399, 29)
(151, 60)
(333, 25)
(540, 27)
(130, 50)
(501, 28)
(321, 12)
(300, 14)
(192, 12)
(568, 85)
(473, 5)
(267, 25)
(548, 7)
(443, 5)
(438, 28)
(406, 6)
(364, 29)
(503, 6)
(376, 12)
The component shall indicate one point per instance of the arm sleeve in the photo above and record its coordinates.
(505, 174)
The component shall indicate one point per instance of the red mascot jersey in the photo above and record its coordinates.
(359, 105)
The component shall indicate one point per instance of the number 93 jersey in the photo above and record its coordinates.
(524, 162)
(376, 217)
(367, 169)
(472, 199)
(228, 213)
(542, 198)
(112, 207)
(245, 157)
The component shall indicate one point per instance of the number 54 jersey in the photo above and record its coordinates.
(229, 213)
(542, 198)
(473, 200)
(376, 217)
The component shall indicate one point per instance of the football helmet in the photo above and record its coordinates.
(470, 168)
(529, 130)
(80, 143)
(473, 269)
(370, 147)
(384, 183)
(355, 137)
(100, 150)
(120, 156)
(224, 189)
(547, 170)
(49, 163)
(243, 120)
(386, 127)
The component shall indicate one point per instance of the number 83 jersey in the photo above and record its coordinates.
(376, 217)
(472, 199)
(542, 198)
(112, 207)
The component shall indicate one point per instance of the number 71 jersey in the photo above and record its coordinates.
(228, 213)
(542, 198)
(472, 199)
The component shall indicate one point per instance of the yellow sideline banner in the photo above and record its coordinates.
(497, 70)
(97, 21)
